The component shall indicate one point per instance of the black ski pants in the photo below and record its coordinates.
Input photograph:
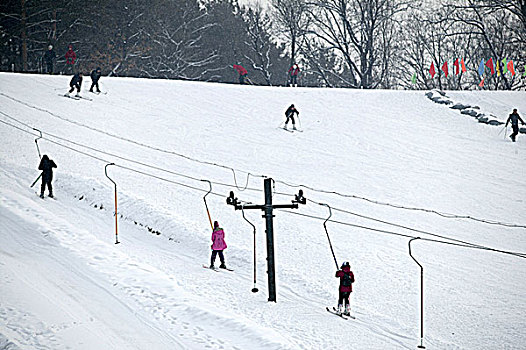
(46, 180)
(73, 88)
(344, 296)
(221, 256)
(515, 129)
(94, 84)
(291, 117)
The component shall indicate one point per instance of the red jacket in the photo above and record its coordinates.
(70, 56)
(340, 274)
(294, 69)
(240, 69)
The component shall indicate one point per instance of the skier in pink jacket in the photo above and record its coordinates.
(218, 245)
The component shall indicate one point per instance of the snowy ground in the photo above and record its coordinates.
(64, 284)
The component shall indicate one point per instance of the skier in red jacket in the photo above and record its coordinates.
(71, 56)
(346, 280)
(293, 72)
(242, 73)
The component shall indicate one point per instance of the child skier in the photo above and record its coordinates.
(76, 82)
(46, 165)
(218, 245)
(289, 113)
(346, 280)
(95, 76)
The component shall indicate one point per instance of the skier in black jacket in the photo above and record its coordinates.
(514, 118)
(46, 165)
(290, 116)
(95, 76)
(76, 82)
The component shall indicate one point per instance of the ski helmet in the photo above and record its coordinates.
(50, 47)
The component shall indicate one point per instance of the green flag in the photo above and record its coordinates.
(413, 79)
(524, 74)
(504, 66)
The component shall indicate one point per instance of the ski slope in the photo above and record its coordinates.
(65, 284)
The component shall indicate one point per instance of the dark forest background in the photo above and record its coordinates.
(337, 43)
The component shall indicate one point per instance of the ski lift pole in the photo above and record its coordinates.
(254, 290)
(36, 141)
(39, 155)
(421, 346)
(327, 232)
(116, 219)
(206, 205)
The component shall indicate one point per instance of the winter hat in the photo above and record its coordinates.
(50, 47)
(70, 47)
(216, 224)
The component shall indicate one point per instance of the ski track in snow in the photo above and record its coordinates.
(82, 291)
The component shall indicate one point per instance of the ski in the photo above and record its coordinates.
(351, 316)
(211, 268)
(71, 97)
(84, 98)
(291, 131)
(217, 269)
(336, 313)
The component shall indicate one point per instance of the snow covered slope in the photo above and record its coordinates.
(64, 283)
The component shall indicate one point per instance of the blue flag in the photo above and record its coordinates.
(481, 67)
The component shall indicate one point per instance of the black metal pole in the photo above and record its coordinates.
(270, 241)
(115, 191)
(421, 346)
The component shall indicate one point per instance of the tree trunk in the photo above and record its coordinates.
(24, 36)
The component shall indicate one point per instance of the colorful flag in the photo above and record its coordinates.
(482, 83)
(481, 67)
(456, 66)
(498, 68)
(489, 64)
(432, 70)
(463, 65)
(504, 66)
(444, 68)
(413, 79)
(510, 67)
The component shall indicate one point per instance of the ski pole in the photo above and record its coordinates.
(299, 120)
(33, 184)
(505, 132)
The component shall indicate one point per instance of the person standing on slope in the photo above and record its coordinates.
(344, 291)
(218, 245)
(95, 76)
(289, 113)
(514, 118)
(49, 59)
(46, 165)
(293, 72)
(76, 82)
(71, 57)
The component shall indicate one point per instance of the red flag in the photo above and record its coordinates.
(456, 66)
(489, 64)
(481, 83)
(463, 65)
(444, 68)
(432, 70)
(510, 67)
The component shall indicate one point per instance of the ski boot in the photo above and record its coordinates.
(42, 195)
(294, 127)
(51, 195)
(347, 311)
(222, 266)
(212, 266)
(339, 309)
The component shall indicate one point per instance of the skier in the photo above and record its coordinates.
(293, 73)
(49, 59)
(218, 245)
(289, 113)
(46, 165)
(346, 280)
(514, 118)
(242, 73)
(95, 76)
(71, 57)
(76, 82)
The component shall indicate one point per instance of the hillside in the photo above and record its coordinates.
(66, 284)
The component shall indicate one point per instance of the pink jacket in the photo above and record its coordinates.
(218, 237)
